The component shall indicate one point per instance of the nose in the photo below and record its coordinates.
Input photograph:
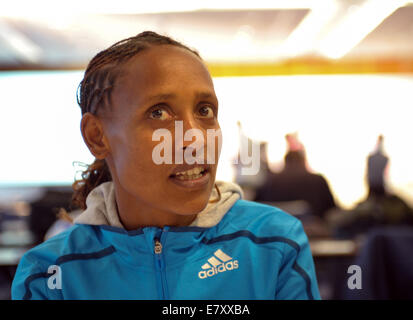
(193, 137)
(190, 122)
(191, 130)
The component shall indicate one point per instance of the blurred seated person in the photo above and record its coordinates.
(250, 182)
(65, 221)
(295, 182)
(380, 208)
(44, 211)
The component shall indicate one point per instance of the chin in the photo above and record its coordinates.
(192, 207)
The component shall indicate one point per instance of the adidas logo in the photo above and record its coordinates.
(219, 262)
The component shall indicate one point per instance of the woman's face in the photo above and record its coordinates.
(159, 86)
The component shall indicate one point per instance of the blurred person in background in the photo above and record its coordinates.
(250, 182)
(44, 212)
(296, 182)
(377, 164)
(380, 208)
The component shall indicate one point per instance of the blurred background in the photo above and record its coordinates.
(323, 87)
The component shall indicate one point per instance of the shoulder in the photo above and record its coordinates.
(317, 180)
(261, 219)
(78, 238)
(35, 263)
(269, 227)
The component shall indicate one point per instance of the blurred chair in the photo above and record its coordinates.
(386, 262)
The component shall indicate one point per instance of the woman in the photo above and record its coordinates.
(154, 229)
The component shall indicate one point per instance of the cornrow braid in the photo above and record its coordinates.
(94, 93)
(102, 70)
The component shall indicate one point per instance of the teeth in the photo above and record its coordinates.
(194, 171)
(185, 177)
(192, 174)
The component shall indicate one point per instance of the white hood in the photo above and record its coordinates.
(101, 206)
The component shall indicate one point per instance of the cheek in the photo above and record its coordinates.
(218, 144)
(134, 164)
(214, 146)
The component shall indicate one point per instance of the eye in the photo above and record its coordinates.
(159, 113)
(206, 111)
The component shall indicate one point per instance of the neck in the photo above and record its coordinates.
(134, 214)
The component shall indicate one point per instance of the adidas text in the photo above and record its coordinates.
(219, 262)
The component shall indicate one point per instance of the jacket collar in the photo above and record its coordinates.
(102, 209)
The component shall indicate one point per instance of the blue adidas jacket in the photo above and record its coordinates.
(254, 252)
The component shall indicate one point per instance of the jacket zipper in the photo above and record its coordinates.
(160, 266)
(158, 246)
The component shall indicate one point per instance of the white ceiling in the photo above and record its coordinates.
(56, 37)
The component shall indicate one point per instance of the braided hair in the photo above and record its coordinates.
(94, 94)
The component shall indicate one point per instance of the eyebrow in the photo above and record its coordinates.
(165, 96)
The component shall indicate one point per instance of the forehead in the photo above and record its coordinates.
(162, 69)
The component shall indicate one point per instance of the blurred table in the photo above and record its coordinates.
(17, 238)
(333, 248)
(10, 256)
(332, 259)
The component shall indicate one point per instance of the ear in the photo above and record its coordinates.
(93, 135)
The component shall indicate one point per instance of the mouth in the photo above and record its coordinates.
(191, 174)
(197, 176)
